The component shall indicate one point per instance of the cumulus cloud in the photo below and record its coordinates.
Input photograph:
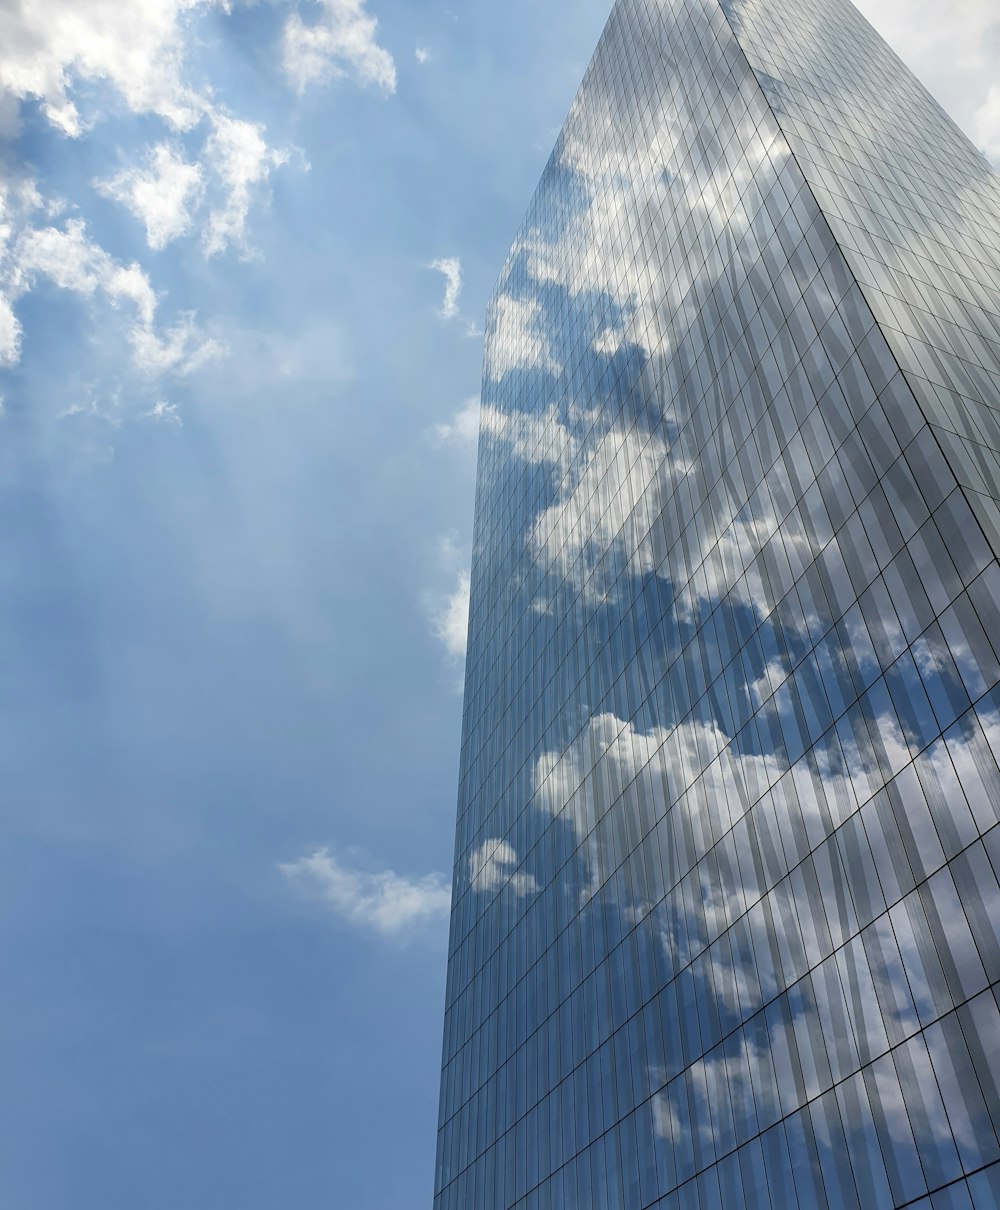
(242, 161)
(68, 258)
(77, 60)
(450, 617)
(162, 194)
(170, 195)
(387, 902)
(138, 49)
(493, 866)
(18, 201)
(340, 41)
(10, 334)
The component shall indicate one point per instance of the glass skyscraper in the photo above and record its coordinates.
(726, 918)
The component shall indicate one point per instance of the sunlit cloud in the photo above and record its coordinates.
(242, 161)
(162, 195)
(69, 259)
(385, 902)
(138, 50)
(340, 41)
(450, 617)
(71, 60)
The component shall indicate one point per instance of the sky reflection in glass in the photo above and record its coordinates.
(726, 916)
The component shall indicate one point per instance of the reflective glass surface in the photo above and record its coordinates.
(726, 918)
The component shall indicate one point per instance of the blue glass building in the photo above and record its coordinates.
(726, 917)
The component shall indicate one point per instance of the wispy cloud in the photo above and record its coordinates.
(422, 54)
(451, 269)
(242, 162)
(164, 413)
(163, 194)
(68, 258)
(341, 41)
(387, 902)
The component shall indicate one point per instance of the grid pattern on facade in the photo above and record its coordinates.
(914, 207)
(726, 921)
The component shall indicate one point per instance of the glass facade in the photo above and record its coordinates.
(726, 917)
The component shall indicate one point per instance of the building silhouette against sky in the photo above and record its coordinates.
(726, 910)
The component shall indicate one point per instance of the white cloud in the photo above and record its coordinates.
(137, 49)
(387, 902)
(450, 617)
(451, 268)
(342, 39)
(242, 161)
(71, 261)
(169, 194)
(162, 195)
(18, 201)
(165, 413)
(493, 866)
(10, 334)
(422, 54)
(462, 429)
(180, 349)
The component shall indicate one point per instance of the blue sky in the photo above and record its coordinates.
(244, 256)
